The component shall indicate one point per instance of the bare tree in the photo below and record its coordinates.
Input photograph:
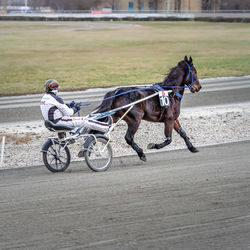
(235, 5)
(211, 4)
(153, 4)
(66, 4)
(158, 4)
(177, 4)
(139, 5)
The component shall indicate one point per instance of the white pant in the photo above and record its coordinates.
(84, 121)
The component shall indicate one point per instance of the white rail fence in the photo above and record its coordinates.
(2, 151)
(132, 14)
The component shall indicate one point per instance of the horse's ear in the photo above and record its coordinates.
(190, 60)
(185, 59)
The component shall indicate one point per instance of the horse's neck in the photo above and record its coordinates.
(171, 84)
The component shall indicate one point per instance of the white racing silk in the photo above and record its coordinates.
(54, 109)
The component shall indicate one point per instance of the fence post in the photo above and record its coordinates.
(2, 150)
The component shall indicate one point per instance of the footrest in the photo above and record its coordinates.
(57, 127)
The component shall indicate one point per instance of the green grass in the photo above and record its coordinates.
(30, 53)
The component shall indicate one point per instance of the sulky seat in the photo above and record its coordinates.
(57, 127)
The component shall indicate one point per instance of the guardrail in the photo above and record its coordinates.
(130, 12)
(243, 15)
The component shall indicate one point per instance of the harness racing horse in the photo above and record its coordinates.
(182, 76)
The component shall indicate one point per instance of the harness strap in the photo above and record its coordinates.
(161, 88)
(179, 95)
(158, 87)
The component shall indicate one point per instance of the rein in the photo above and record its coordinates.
(156, 87)
(116, 95)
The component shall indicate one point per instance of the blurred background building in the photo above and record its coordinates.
(128, 5)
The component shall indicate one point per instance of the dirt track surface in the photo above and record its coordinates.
(177, 200)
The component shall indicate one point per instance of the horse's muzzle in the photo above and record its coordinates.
(196, 87)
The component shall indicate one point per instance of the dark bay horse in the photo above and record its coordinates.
(184, 74)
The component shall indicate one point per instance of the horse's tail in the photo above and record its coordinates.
(107, 102)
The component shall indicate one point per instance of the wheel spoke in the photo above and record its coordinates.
(59, 159)
(56, 163)
(53, 159)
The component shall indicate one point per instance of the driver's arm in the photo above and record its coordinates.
(66, 111)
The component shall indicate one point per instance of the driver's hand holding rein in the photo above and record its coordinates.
(55, 110)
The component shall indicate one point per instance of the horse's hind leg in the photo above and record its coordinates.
(129, 137)
(183, 134)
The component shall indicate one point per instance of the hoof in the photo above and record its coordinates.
(143, 158)
(151, 146)
(193, 150)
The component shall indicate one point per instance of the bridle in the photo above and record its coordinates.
(190, 73)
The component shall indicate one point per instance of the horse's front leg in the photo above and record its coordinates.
(169, 125)
(183, 134)
(129, 137)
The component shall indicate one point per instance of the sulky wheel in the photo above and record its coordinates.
(98, 154)
(56, 157)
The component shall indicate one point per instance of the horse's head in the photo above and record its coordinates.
(191, 78)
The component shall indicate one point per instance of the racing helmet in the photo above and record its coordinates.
(51, 85)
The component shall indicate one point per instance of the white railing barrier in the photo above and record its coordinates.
(2, 151)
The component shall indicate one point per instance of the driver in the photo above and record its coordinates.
(55, 110)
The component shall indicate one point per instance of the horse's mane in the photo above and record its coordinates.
(174, 73)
